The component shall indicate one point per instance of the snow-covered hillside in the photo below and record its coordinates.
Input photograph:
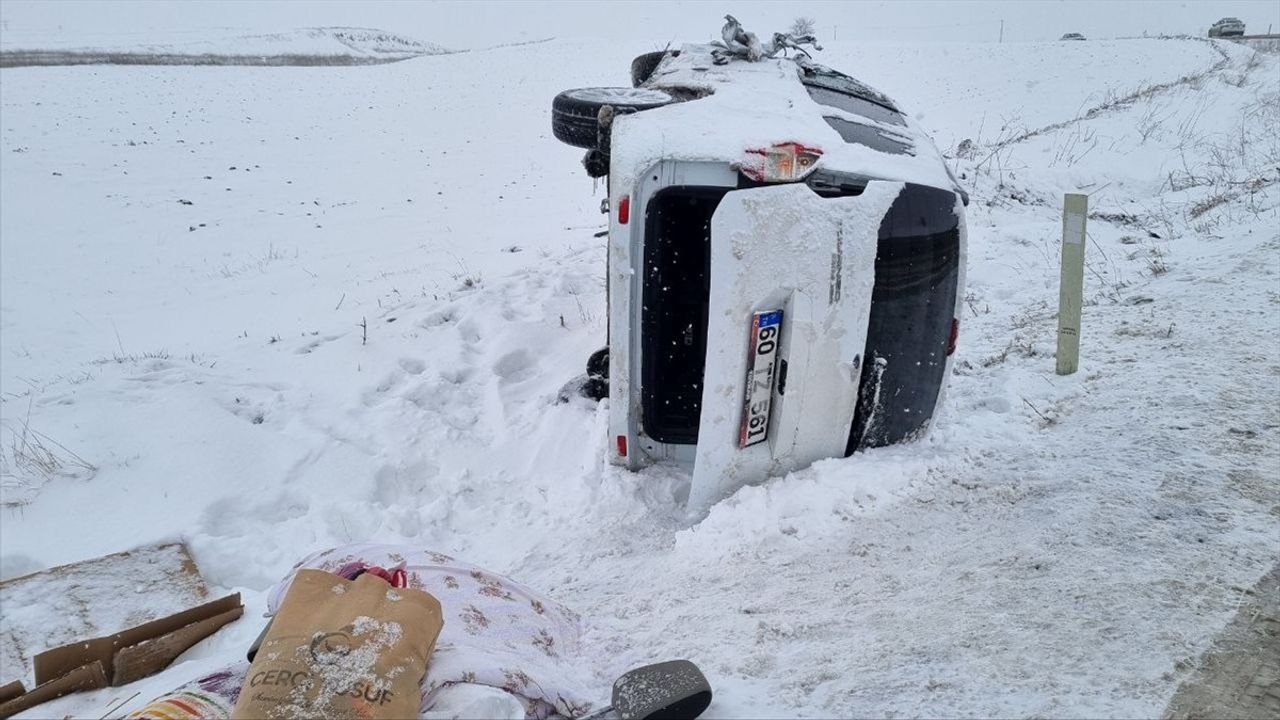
(271, 310)
(308, 46)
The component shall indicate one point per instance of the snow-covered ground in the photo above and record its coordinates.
(270, 310)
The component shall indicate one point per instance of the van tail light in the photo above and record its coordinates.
(784, 162)
(624, 214)
(622, 446)
(954, 337)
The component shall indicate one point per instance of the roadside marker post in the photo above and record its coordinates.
(1075, 211)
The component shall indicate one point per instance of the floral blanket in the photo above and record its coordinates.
(497, 632)
(504, 648)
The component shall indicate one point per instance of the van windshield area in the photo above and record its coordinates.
(855, 105)
(835, 89)
(913, 303)
(872, 137)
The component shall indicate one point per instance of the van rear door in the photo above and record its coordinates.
(784, 248)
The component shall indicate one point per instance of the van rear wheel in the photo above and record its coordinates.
(575, 114)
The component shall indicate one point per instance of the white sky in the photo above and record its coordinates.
(478, 23)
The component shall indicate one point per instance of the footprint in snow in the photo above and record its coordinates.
(457, 376)
(312, 345)
(515, 366)
(375, 395)
(403, 485)
(413, 366)
(469, 331)
(443, 316)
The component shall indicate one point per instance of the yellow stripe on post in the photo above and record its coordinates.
(1075, 211)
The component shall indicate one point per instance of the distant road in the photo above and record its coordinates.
(1265, 43)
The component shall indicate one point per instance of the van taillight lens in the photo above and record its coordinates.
(784, 162)
(624, 213)
(622, 446)
(955, 336)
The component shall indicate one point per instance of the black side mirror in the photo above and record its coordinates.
(672, 690)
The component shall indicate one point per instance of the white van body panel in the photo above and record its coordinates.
(784, 247)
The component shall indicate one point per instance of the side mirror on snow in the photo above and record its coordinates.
(672, 690)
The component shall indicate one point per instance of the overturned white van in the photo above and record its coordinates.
(786, 260)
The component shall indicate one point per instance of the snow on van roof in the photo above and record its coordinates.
(758, 104)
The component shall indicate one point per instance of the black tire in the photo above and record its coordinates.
(596, 386)
(643, 66)
(596, 163)
(598, 363)
(575, 113)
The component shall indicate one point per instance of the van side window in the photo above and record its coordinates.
(854, 104)
(872, 137)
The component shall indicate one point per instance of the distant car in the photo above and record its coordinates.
(786, 258)
(1072, 36)
(1227, 27)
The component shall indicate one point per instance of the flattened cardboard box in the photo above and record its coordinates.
(170, 636)
(88, 677)
(11, 691)
(92, 598)
(121, 658)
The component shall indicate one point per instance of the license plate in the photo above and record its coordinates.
(762, 352)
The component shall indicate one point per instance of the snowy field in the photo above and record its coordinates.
(270, 310)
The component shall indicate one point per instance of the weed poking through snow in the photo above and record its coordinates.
(29, 459)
